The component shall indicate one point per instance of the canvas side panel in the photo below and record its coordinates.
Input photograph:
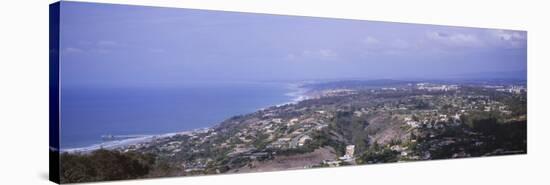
(54, 91)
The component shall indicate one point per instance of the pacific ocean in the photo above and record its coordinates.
(87, 113)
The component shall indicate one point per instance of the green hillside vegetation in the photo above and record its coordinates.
(104, 165)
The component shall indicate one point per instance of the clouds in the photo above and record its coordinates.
(372, 45)
(188, 43)
(324, 53)
(432, 40)
(486, 39)
(509, 39)
(72, 50)
(316, 54)
(104, 47)
(369, 40)
(90, 47)
(454, 40)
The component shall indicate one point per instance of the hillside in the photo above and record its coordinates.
(346, 127)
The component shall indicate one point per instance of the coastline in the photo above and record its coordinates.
(297, 93)
(111, 145)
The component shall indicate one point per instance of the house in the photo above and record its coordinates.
(413, 124)
(292, 122)
(284, 139)
(456, 116)
(277, 120)
(303, 140)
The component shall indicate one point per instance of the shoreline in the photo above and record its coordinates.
(297, 94)
(109, 145)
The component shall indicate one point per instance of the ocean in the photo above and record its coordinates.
(88, 113)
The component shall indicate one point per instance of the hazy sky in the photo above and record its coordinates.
(107, 44)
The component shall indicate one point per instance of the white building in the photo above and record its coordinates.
(350, 150)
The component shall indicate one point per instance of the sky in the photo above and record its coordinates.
(106, 44)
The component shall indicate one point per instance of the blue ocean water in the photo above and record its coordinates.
(88, 113)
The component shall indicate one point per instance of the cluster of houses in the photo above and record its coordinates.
(333, 92)
(433, 120)
(291, 127)
(514, 89)
(436, 87)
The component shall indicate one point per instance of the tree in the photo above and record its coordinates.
(103, 165)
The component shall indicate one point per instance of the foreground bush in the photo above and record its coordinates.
(104, 165)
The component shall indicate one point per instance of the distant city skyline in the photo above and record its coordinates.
(115, 45)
